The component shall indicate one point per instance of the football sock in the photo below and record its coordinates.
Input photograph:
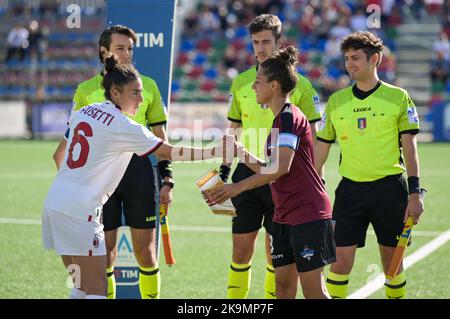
(396, 289)
(337, 285)
(239, 277)
(111, 283)
(77, 294)
(95, 297)
(149, 282)
(269, 283)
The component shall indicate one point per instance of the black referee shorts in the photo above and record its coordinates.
(382, 203)
(136, 192)
(254, 208)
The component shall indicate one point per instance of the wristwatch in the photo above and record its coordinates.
(170, 184)
(420, 191)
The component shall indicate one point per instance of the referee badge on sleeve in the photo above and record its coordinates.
(413, 117)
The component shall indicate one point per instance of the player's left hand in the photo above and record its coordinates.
(414, 208)
(165, 195)
(220, 194)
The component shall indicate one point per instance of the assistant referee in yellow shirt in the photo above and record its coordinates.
(375, 124)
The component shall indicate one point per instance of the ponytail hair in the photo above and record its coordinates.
(281, 67)
(117, 74)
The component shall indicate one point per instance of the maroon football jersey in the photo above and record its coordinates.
(299, 196)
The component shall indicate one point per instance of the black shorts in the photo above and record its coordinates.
(136, 192)
(309, 246)
(381, 203)
(254, 208)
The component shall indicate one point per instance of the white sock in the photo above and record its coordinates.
(94, 297)
(77, 294)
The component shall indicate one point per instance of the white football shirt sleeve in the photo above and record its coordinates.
(138, 139)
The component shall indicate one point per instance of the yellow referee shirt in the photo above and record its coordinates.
(368, 131)
(152, 110)
(256, 122)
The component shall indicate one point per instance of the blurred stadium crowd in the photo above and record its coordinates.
(43, 60)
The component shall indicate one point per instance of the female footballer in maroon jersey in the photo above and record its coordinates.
(302, 240)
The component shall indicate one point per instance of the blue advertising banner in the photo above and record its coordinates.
(50, 119)
(153, 22)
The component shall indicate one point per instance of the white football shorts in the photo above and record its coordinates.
(71, 236)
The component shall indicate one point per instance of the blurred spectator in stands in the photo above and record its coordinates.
(333, 49)
(17, 42)
(395, 18)
(442, 45)
(190, 25)
(416, 8)
(36, 42)
(48, 8)
(18, 7)
(341, 29)
(439, 69)
(209, 22)
(309, 22)
(230, 57)
(343, 82)
(358, 21)
(386, 69)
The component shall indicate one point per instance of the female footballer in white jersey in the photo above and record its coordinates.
(101, 142)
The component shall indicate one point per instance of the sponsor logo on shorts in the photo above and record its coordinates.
(307, 253)
(277, 256)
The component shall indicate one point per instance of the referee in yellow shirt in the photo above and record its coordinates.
(255, 207)
(375, 124)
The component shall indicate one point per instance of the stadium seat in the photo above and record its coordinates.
(211, 73)
(175, 87)
(195, 72)
(204, 45)
(208, 85)
(186, 45)
(199, 59)
(182, 58)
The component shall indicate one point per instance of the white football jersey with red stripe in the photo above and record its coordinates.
(99, 148)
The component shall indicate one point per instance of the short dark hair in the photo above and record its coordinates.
(364, 40)
(265, 22)
(117, 74)
(105, 37)
(281, 67)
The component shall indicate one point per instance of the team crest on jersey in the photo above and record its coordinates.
(362, 123)
(95, 241)
(307, 253)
